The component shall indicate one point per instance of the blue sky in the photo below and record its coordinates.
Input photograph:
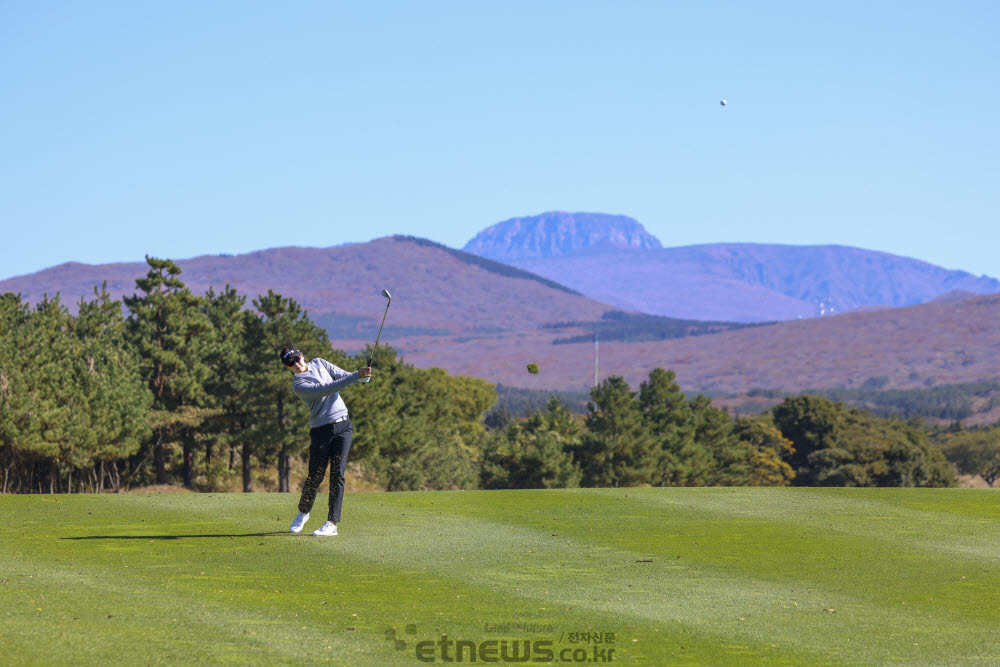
(187, 128)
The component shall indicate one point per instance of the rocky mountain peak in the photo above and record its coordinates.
(559, 233)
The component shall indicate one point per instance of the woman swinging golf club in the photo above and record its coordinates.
(318, 384)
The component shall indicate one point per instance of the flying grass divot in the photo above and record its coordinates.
(533, 368)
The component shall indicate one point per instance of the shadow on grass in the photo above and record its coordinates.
(171, 537)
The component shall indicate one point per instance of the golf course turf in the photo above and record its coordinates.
(660, 576)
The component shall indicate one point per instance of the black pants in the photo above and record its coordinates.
(330, 444)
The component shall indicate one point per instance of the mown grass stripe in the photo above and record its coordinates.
(726, 588)
(457, 562)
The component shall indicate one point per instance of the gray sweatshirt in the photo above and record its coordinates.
(319, 387)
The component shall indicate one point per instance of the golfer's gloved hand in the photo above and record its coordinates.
(365, 374)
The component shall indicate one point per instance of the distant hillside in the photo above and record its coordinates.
(954, 295)
(894, 348)
(436, 289)
(557, 233)
(752, 282)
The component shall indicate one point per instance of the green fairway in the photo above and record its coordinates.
(671, 575)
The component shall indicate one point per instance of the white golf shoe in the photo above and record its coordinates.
(300, 521)
(327, 529)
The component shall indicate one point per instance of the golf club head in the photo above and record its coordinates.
(386, 294)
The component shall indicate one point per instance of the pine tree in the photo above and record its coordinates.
(714, 432)
(534, 454)
(851, 447)
(669, 418)
(278, 421)
(113, 399)
(618, 450)
(419, 428)
(231, 381)
(50, 385)
(14, 400)
(810, 422)
(25, 446)
(71, 394)
(172, 334)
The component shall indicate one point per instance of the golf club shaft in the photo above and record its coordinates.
(374, 347)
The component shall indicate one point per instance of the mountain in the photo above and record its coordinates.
(435, 289)
(741, 282)
(912, 347)
(557, 233)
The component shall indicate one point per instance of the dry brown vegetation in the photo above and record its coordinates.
(914, 347)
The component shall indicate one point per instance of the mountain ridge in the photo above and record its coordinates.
(434, 287)
(744, 282)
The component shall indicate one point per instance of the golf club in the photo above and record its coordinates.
(388, 296)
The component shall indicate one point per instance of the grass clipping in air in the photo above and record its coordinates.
(533, 368)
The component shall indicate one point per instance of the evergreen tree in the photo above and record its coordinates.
(16, 425)
(71, 397)
(172, 335)
(112, 398)
(618, 450)
(809, 422)
(33, 414)
(231, 381)
(714, 432)
(850, 447)
(870, 451)
(670, 420)
(278, 422)
(498, 417)
(534, 454)
(419, 428)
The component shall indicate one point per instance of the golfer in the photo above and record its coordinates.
(318, 384)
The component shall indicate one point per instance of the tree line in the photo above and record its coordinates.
(657, 436)
(952, 402)
(169, 387)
